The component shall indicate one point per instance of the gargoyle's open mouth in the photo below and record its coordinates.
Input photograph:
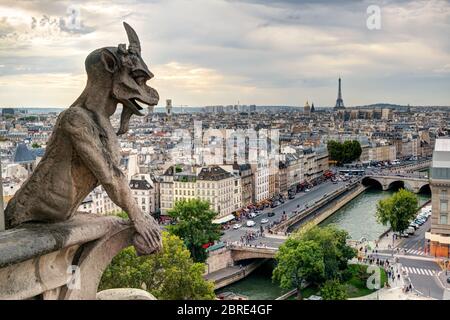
(137, 107)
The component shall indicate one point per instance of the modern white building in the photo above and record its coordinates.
(439, 235)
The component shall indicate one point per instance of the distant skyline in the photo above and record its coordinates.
(219, 52)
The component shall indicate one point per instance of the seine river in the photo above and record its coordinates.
(357, 218)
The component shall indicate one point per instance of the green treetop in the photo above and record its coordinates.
(298, 262)
(168, 275)
(333, 242)
(398, 210)
(344, 152)
(333, 290)
(194, 225)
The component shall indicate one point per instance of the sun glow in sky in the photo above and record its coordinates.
(221, 52)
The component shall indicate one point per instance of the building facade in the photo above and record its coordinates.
(439, 235)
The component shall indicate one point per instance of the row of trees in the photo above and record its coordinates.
(345, 152)
(175, 273)
(317, 256)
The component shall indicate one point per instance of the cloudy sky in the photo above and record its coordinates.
(205, 52)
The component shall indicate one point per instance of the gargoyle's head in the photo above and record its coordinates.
(128, 73)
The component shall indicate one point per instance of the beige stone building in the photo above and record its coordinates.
(244, 171)
(382, 153)
(274, 188)
(212, 184)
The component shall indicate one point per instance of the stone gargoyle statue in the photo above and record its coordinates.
(83, 150)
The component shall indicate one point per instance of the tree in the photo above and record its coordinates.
(333, 290)
(298, 262)
(398, 210)
(194, 225)
(169, 275)
(35, 145)
(333, 243)
(344, 152)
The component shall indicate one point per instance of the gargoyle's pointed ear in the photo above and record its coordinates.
(133, 39)
(109, 61)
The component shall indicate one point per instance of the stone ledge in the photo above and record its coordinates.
(124, 294)
(37, 239)
(38, 260)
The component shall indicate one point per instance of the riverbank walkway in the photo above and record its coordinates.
(392, 294)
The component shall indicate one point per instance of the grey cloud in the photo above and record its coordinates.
(275, 46)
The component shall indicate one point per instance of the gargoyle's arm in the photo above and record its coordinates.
(86, 142)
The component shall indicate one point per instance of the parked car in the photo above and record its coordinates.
(307, 190)
(410, 230)
(420, 221)
(404, 235)
(448, 280)
(263, 221)
(252, 215)
(414, 225)
(271, 214)
(274, 204)
(291, 196)
(237, 226)
(250, 223)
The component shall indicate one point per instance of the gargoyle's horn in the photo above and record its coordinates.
(133, 39)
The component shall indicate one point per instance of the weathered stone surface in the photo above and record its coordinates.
(86, 243)
(83, 151)
(125, 294)
(37, 239)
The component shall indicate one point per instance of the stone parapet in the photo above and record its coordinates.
(62, 260)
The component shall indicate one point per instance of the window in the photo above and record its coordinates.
(443, 217)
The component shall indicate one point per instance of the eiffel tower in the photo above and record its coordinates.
(339, 102)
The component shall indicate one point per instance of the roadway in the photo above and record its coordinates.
(301, 200)
(421, 269)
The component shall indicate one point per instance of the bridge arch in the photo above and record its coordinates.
(425, 189)
(398, 184)
(245, 253)
(372, 182)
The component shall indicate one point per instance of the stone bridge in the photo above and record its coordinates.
(412, 167)
(239, 253)
(414, 183)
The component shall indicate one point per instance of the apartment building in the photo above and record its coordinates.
(244, 171)
(98, 202)
(260, 181)
(217, 186)
(382, 153)
(212, 184)
(144, 192)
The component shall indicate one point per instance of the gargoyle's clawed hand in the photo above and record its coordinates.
(148, 237)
